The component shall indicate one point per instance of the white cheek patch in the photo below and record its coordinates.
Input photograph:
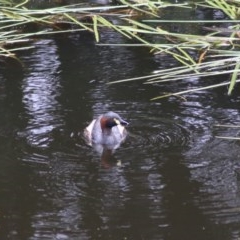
(117, 121)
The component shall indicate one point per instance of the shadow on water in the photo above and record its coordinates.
(170, 179)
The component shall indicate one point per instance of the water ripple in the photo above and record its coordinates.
(163, 133)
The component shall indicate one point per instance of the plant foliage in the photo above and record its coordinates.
(140, 21)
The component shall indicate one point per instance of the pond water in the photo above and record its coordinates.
(171, 179)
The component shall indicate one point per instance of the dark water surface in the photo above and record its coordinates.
(171, 179)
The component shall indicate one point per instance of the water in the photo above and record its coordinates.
(171, 178)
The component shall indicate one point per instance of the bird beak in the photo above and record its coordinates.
(124, 123)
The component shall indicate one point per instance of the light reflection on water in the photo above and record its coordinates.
(40, 89)
(171, 179)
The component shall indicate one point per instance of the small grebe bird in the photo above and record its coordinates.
(108, 130)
